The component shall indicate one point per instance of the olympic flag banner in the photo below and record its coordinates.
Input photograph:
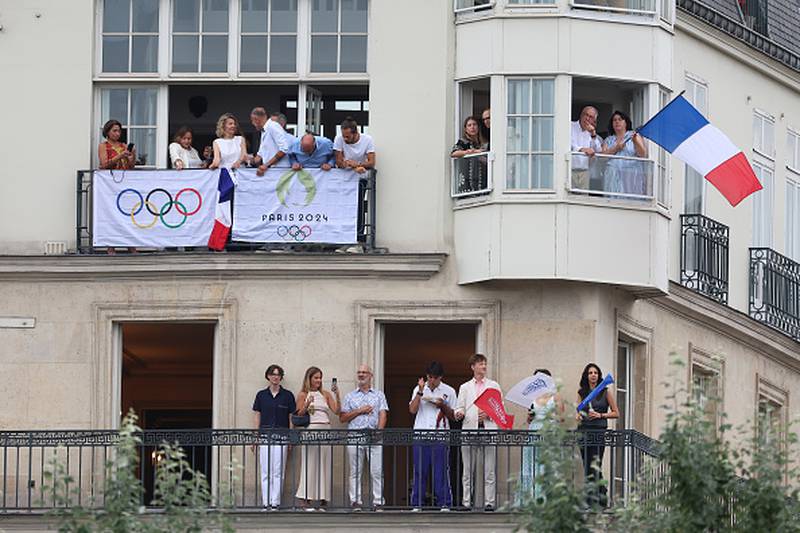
(147, 208)
(304, 206)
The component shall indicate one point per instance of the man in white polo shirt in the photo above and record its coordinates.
(432, 401)
(354, 150)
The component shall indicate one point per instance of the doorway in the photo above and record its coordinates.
(167, 379)
(409, 348)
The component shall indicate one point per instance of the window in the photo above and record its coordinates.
(793, 218)
(530, 136)
(200, 36)
(666, 10)
(763, 208)
(764, 134)
(269, 36)
(339, 35)
(136, 110)
(694, 188)
(130, 36)
(771, 412)
(662, 160)
(707, 384)
(793, 150)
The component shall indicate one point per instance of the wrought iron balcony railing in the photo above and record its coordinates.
(775, 291)
(236, 462)
(704, 256)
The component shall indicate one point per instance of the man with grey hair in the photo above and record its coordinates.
(274, 145)
(365, 409)
(584, 139)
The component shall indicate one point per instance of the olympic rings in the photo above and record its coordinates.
(144, 202)
(136, 209)
(293, 232)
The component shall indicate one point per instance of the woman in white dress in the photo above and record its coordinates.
(181, 152)
(315, 460)
(229, 148)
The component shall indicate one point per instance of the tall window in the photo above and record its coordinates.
(763, 207)
(793, 217)
(200, 35)
(793, 150)
(136, 110)
(662, 158)
(269, 36)
(530, 137)
(770, 420)
(707, 393)
(339, 35)
(764, 134)
(694, 189)
(130, 36)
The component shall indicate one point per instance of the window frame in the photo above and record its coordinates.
(792, 133)
(530, 153)
(765, 118)
(769, 392)
(339, 34)
(170, 67)
(705, 362)
(100, 34)
(766, 212)
(692, 84)
(240, 34)
(792, 216)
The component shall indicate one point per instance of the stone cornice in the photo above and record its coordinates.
(731, 323)
(247, 265)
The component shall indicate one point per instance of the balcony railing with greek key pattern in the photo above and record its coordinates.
(321, 463)
(704, 256)
(775, 291)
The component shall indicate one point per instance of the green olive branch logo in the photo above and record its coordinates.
(305, 179)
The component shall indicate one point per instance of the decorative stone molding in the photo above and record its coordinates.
(244, 265)
(641, 336)
(369, 315)
(107, 352)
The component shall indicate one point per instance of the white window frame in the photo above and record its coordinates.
(763, 206)
(792, 224)
(793, 150)
(469, 9)
(268, 34)
(200, 34)
(764, 119)
(662, 177)
(309, 36)
(532, 116)
(692, 85)
(99, 34)
(667, 11)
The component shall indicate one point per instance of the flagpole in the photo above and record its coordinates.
(660, 110)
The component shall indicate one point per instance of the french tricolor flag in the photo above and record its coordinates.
(681, 130)
(222, 219)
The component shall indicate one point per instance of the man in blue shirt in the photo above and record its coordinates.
(312, 151)
(365, 408)
(271, 409)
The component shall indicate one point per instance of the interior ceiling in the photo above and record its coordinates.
(149, 347)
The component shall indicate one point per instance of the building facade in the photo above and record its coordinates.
(529, 267)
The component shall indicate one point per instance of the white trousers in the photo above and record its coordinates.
(358, 457)
(471, 457)
(273, 464)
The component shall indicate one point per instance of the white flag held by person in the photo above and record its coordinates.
(148, 208)
(530, 388)
(295, 207)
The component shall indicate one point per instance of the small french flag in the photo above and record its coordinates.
(222, 218)
(680, 129)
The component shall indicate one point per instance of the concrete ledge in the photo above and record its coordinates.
(160, 266)
(395, 521)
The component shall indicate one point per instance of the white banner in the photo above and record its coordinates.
(304, 206)
(148, 208)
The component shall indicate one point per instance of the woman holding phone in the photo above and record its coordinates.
(114, 154)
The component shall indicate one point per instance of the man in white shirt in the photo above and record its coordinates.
(432, 401)
(584, 138)
(474, 418)
(354, 150)
(273, 146)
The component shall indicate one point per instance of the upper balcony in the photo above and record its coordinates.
(531, 207)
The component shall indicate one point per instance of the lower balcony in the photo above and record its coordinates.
(318, 463)
(775, 291)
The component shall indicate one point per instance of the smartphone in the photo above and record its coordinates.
(333, 382)
(130, 147)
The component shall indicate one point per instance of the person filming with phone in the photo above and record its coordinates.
(113, 153)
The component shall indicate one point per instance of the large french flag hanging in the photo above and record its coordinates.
(222, 218)
(681, 130)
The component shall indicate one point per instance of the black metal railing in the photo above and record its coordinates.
(235, 461)
(704, 256)
(775, 291)
(365, 222)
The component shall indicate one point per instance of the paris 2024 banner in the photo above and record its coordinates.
(295, 206)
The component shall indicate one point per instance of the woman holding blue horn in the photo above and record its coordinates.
(593, 416)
